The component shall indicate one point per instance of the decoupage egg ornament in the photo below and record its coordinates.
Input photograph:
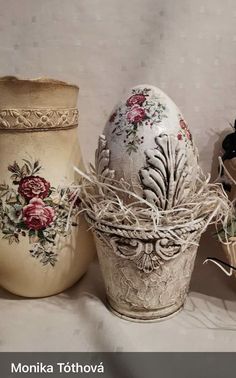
(150, 146)
(147, 257)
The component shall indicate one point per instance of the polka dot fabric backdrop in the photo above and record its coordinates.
(186, 47)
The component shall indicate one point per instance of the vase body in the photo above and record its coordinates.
(146, 275)
(41, 252)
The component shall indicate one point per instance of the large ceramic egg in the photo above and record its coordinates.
(150, 146)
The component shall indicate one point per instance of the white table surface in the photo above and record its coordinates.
(78, 320)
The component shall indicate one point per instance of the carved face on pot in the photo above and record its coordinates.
(150, 146)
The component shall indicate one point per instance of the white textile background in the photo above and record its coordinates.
(188, 49)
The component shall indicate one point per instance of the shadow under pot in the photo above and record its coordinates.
(146, 274)
(41, 252)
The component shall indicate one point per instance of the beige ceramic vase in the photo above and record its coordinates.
(44, 247)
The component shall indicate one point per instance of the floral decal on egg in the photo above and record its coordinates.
(32, 208)
(141, 109)
(184, 133)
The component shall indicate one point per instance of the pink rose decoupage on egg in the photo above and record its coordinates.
(145, 131)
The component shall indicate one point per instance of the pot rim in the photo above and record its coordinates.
(129, 231)
(37, 80)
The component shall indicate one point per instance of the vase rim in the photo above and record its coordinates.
(37, 80)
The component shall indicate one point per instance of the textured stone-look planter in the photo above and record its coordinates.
(39, 254)
(143, 205)
(146, 274)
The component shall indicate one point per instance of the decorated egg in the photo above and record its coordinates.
(150, 146)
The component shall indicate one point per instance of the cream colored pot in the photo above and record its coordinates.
(41, 252)
(146, 273)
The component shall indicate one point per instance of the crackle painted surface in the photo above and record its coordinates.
(145, 286)
(136, 133)
(145, 108)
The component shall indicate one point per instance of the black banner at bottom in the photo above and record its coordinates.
(118, 365)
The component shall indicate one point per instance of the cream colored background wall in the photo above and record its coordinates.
(186, 47)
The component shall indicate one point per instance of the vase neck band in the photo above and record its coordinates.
(38, 119)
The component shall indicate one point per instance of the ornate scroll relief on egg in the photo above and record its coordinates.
(151, 146)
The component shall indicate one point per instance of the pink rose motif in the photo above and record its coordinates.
(188, 134)
(36, 215)
(136, 114)
(136, 99)
(33, 186)
(179, 136)
(183, 124)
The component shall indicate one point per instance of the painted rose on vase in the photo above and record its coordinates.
(31, 207)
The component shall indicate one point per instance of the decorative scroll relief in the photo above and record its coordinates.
(165, 181)
(149, 255)
(165, 178)
(102, 160)
(38, 119)
(135, 292)
(143, 253)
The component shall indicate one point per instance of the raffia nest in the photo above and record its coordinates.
(101, 200)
